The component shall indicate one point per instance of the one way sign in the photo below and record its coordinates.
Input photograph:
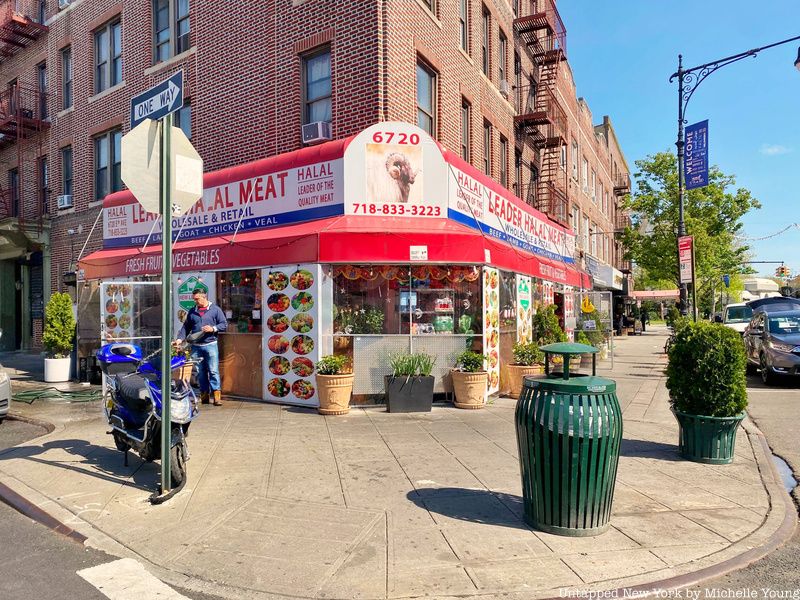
(158, 101)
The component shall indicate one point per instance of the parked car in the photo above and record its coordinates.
(737, 316)
(772, 343)
(5, 391)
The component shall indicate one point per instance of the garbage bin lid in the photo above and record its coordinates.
(569, 348)
(580, 385)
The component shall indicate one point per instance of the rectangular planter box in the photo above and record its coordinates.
(408, 394)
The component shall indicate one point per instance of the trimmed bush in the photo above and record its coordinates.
(470, 362)
(546, 328)
(528, 354)
(332, 364)
(706, 370)
(59, 325)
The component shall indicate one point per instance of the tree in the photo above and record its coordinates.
(712, 214)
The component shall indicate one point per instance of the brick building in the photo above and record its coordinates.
(487, 79)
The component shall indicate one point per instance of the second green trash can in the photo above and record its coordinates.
(568, 434)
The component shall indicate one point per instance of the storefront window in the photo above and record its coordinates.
(239, 297)
(508, 324)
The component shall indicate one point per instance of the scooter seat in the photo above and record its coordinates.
(128, 388)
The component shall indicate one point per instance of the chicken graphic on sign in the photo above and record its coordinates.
(392, 172)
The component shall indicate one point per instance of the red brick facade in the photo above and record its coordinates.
(243, 81)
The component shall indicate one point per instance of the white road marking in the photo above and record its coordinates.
(127, 579)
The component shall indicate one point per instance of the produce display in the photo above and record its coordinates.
(117, 306)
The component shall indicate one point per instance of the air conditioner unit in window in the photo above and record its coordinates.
(65, 200)
(314, 133)
(504, 88)
(64, 3)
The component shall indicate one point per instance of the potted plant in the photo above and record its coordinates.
(184, 373)
(410, 386)
(470, 380)
(59, 332)
(334, 385)
(706, 382)
(547, 330)
(528, 360)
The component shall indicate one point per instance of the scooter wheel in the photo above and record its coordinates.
(120, 443)
(177, 465)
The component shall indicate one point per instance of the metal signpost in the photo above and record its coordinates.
(165, 174)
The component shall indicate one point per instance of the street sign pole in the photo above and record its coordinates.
(166, 299)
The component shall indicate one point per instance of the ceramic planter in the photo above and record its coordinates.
(517, 374)
(408, 394)
(57, 369)
(334, 393)
(470, 389)
(707, 439)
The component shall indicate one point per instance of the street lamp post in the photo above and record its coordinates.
(688, 80)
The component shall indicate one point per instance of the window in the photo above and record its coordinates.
(108, 57)
(41, 12)
(575, 220)
(518, 173)
(594, 186)
(431, 4)
(170, 20)
(183, 119)
(66, 78)
(466, 133)
(574, 160)
(593, 239)
(503, 161)
(606, 205)
(66, 170)
(317, 89)
(503, 56)
(44, 190)
(463, 23)
(13, 187)
(107, 164)
(564, 158)
(585, 174)
(518, 76)
(426, 99)
(485, 42)
(41, 84)
(600, 197)
(585, 232)
(605, 249)
(487, 148)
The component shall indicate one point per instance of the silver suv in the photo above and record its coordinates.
(772, 343)
(5, 391)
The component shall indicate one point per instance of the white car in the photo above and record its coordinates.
(737, 316)
(5, 391)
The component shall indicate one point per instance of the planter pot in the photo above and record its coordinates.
(707, 439)
(183, 374)
(517, 374)
(57, 369)
(408, 394)
(334, 393)
(470, 389)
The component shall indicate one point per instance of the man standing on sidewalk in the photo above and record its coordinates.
(210, 320)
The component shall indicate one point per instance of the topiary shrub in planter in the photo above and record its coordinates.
(57, 337)
(528, 360)
(469, 380)
(707, 385)
(410, 386)
(334, 385)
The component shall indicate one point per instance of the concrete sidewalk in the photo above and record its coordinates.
(282, 502)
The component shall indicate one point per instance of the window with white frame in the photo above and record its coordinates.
(502, 57)
(585, 232)
(503, 161)
(564, 158)
(594, 186)
(171, 28)
(317, 86)
(463, 23)
(107, 163)
(485, 27)
(107, 56)
(585, 175)
(600, 194)
(466, 133)
(487, 148)
(575, 221)
(426, 98)
(66, 78)
(593, 239)
(575, 160)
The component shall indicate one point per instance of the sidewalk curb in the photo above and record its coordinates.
(30, 510)
(46, 425)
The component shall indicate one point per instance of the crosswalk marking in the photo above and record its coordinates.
(127, 579)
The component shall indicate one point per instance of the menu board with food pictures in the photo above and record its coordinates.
(291, 334)
(117, 311)
(569, 310)
(491, 326)
(524, 309)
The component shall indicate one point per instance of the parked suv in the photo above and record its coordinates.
(5, 391)
(772, 343)
(737, 316)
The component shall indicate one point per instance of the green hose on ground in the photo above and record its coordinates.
(51, 393)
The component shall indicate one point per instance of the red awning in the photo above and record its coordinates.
(343, 239)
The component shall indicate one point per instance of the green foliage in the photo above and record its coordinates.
(713, 216)
(367, 320)
(581, 338)
(593, 337)
(470, 362)
(411, 365)
(546, 329)
(332, 364)
(528, 354)
(706, 370)
(59, 325)
(672, 315)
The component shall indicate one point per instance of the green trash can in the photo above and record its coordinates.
(569, 431)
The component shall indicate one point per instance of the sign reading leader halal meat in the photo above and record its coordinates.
(279, 198)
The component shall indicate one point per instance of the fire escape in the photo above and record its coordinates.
(540, 117)
(23, 117)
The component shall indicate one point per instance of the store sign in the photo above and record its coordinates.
(524, 308)
(503, 217)
(491, 327)
(685, 258)
(418, 253)
(268, 200)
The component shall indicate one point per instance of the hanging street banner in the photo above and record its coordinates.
(685, 258)
(695, 160)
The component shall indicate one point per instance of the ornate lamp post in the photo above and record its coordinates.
(688, 80)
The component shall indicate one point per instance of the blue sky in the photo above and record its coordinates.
(622, 53)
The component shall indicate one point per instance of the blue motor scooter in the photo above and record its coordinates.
(133, 405)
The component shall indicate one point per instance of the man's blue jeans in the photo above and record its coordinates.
(208, 369)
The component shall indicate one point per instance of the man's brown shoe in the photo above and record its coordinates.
(217, 398)
(204, 397)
